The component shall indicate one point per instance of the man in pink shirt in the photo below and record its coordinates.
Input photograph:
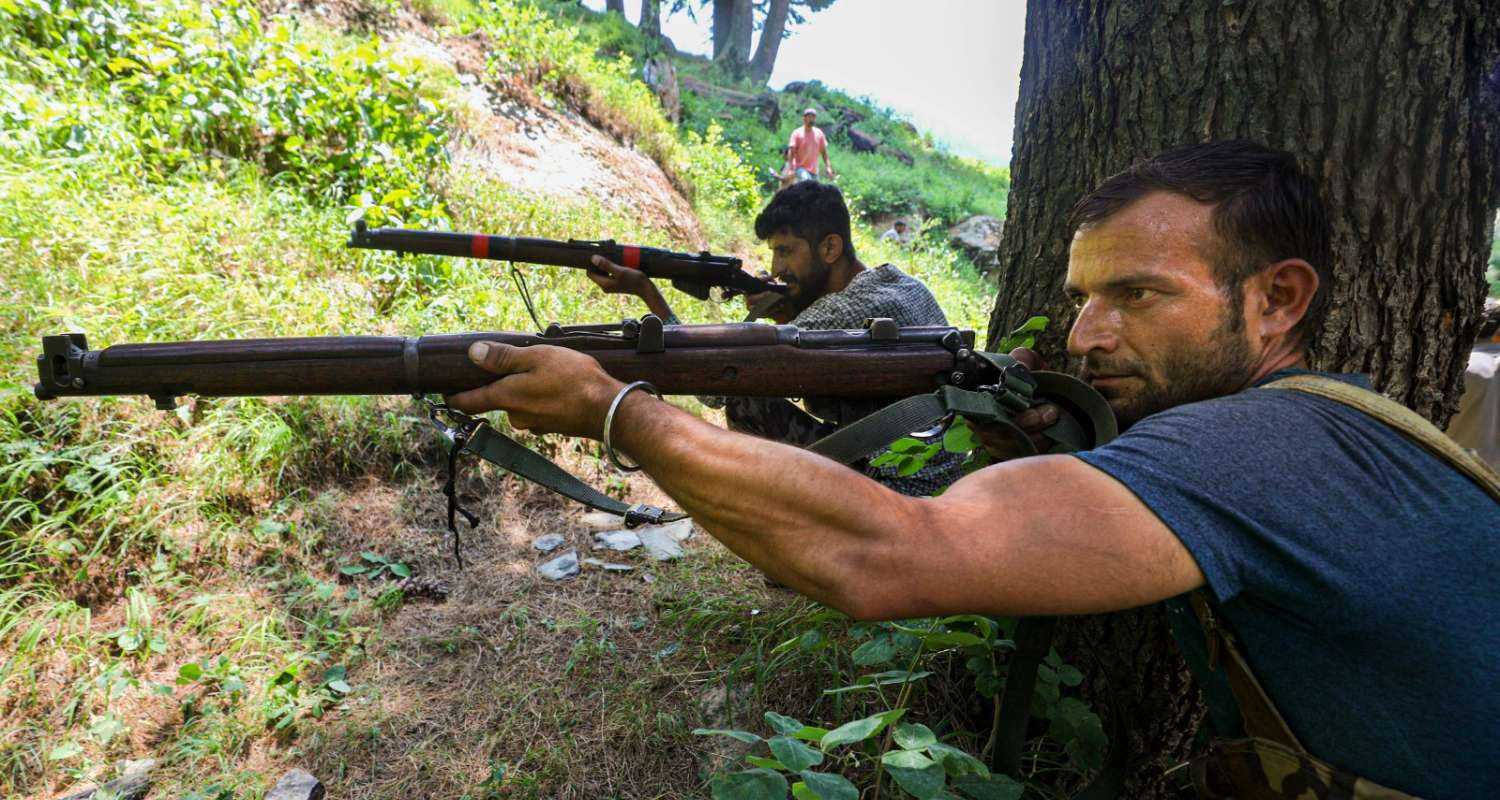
(808, 142)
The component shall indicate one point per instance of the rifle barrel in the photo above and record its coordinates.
(697, 269)
(736, 359)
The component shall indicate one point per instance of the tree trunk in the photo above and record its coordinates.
(723, 20)
(736, 53)
(617, 6)
(651, 18)
(1382, 100)
(770, 41)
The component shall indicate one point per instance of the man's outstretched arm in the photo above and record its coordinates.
(1046, 535)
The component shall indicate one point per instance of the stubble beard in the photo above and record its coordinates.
(1222, 366)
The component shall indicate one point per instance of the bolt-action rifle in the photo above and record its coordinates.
(935, 369)
(695, 274)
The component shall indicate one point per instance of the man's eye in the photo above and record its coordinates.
(1138, 295)
(1077, 300)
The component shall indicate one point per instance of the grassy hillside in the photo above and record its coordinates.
(175, 586)
(937, 184)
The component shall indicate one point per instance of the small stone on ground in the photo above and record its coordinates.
(619, 541)
(607, 566)
(548, 543)
(561, 568)
(299, 784)
(664, 542)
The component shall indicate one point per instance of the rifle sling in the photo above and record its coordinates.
(511, 456)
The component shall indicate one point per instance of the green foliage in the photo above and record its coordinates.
(183, 78)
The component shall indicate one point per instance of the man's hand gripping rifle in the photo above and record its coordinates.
(930, 375)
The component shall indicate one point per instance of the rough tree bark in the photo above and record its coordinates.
(1382, 100)
(651, 18)
(723, 20)
(735, 55)
(617, 6)
(771, 32)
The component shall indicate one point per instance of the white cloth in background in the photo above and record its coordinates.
(1477, 424)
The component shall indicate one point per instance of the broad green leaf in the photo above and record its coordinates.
(794, 754)
(337, 672)
(914, 736)
(956, 761)
(762, 761)
(189, 672)
(859, 730)
(1069, 675)
(991, 787)
(354, 569)
(879, 650)
(924, 783)
(750, 784)
(270, 527)
(373, 558)
(340, 686)
(829, 787)
(959, 438)
(910, 466)
(907, 759)
(801, 792)
(1033, 325)
(907, 446)
(742, 736)
(783, 724)
(401, 569)
(811, 733)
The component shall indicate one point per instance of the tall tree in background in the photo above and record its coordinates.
(651, 18)
(617, 6)
(1391, 104)
(772, 31)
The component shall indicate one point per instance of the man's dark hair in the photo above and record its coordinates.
(810, 211)
(1265, 210)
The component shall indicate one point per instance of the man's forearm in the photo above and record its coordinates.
(807, 521)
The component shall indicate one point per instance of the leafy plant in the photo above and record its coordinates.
(375, 565)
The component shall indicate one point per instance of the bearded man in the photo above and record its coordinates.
(806, 226)
(1355, 568)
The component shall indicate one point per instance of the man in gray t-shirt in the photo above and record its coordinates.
(806, 226)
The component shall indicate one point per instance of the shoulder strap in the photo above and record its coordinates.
(1257, 711)
(1403, 419)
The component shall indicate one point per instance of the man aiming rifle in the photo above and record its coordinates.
(1341, 557)
(828, 288)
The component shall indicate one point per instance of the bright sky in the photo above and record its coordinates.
(953, 67)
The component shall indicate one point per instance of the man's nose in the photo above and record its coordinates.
(1095, 329)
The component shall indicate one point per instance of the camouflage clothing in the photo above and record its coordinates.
(881, 292)
(1260, 769)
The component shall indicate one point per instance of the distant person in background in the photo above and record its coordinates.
(896, 233)
(807, 144)
(1476, 426)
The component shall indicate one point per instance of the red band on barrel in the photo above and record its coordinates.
(631, 257)
(479, 246)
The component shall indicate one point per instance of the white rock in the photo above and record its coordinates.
(619, 541)
(664, 542)
(561, 568)
(548, 543)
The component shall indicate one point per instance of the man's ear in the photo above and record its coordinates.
(831, 249)
(1289, 287)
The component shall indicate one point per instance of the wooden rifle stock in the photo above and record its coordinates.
(753, 360)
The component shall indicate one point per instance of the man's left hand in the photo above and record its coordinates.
(542, 388)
